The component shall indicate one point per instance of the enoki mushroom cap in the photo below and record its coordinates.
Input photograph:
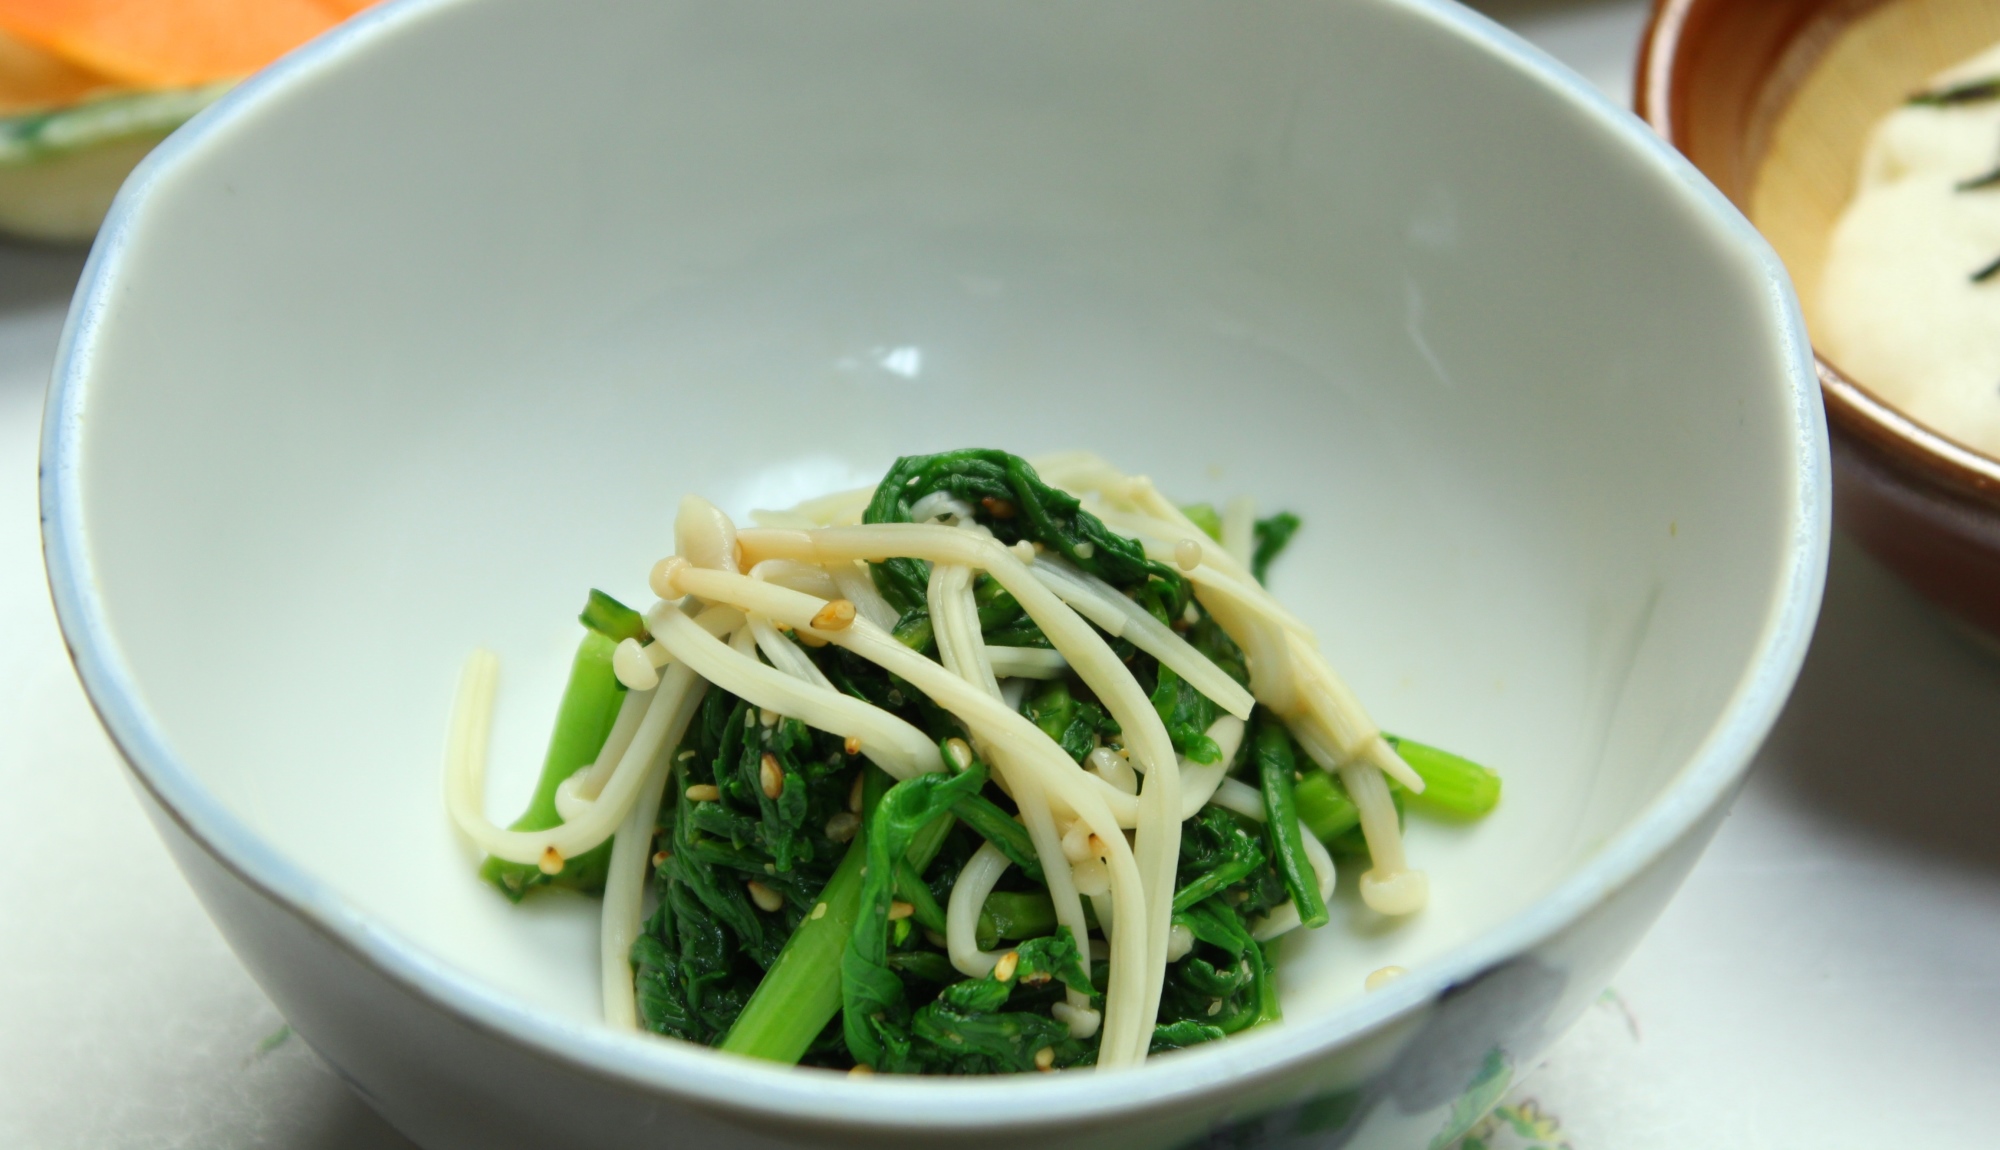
(630, 663)
(1397, 893)
(665, 576)
(705, 536)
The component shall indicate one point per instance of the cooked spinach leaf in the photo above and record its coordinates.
(1015, 504)
(1273, 535)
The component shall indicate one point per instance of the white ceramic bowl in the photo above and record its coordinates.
(422, 333)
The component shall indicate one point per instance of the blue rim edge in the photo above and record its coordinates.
(708, 1080)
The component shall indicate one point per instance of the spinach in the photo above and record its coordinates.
(1208, 637)
(928, 965)
(801, 760)
(1167, 602)
(1276, 765)
(826, 976)
(1273, 535)
(612, 619)
(1017, 505)
(1073, 723)
(1017, 914)
(797, 1004)
(1324, 805)
(1454, 786)
(924, 905)
(589, 707)
(875, 1012)
(965, 1031)
(1002, 620)
(663, 1004)
(1181, 1034)
(705, 950)
(1226, 981)
(1217, 852)
(913, 629)
(999, 828)
(1204, 516)
(1187, 714)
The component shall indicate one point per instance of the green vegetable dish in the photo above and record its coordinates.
(991, 767)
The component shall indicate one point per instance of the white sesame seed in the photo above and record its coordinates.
(767, 900)
(841, 828)
(1076, 842)
(771, 775)
(959, 753)
(1091, 877)
(900, 909)
(1214, 1007)
(704, 793)
(1045, 1058)
(1377, 979)
(1003, 971)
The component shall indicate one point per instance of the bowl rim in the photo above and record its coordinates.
(723, 1085)
(1915, 448)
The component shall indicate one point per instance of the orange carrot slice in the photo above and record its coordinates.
(32, 80)
(169, 43)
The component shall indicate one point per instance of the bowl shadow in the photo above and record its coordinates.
(32, 275)
(1894, 726)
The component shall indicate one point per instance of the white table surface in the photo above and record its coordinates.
(1828, 978)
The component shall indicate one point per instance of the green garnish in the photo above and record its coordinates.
(1968, 92)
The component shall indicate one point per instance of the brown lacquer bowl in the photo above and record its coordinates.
(1773, 100)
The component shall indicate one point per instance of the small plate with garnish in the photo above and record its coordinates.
(86, 90)
(1863, 139)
